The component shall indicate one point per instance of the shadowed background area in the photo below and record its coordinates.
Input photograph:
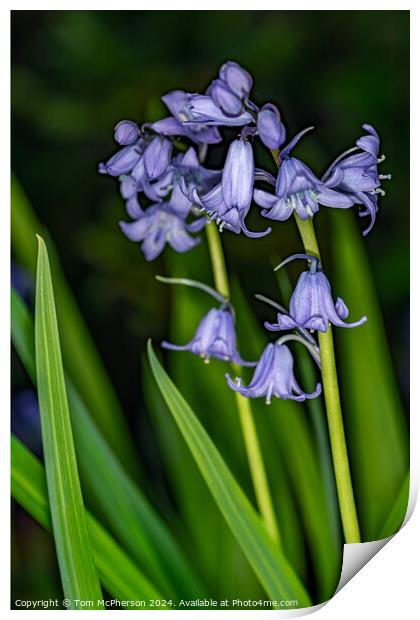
(76, 74)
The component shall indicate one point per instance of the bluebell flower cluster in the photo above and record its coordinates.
(149, 162)
(170, 196)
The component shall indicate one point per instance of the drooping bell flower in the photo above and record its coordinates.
(238, 176)
(123, 161)
(176, 101)
(215, 337)
(228, 202)
(202, 109)
(230, 91)
(126, 132)
(270, 128)
(186, 166)
(311, 305)
(157, 156)
(298, 189)
(238, 79)
(138, 181)
(356, 174)
(273, 376)
(225, 99)
(163, 223)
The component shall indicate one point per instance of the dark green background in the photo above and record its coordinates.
(75, 74)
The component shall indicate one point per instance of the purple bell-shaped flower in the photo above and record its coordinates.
(298, 190)
(356, 174)
(312, 306)
(273, 376)
(215, 338)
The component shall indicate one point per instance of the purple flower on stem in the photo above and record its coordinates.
(225, 99)
(311, 305)
(164, 223)
(238, 79)
(126, 132)
(123, 161)
(273, 376)
(298, 189)
(202, 109)
(176, 101)
(356, 174)
(270, 128)
(231, 89)
(194, 175)
(215, 338)
(157, 156)
(228, 202)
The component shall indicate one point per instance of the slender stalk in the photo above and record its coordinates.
(333, 408)
(332, 403)
(249, 431)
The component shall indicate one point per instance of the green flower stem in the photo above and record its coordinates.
(217, 258)
(249, 431)
(333, 408)
(332, 402)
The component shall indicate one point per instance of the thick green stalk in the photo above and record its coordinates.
(333, 408)
(249, 431)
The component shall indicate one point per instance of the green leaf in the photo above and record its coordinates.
(72, 542)
(398, 512)
(81, 360)
(235, 578)
(130, 514)
(374, 418)
(126, 509)
(271, 567)
(119, 576)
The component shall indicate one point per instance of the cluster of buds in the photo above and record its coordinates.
(170, 195)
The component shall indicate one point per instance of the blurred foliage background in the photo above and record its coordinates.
(76, 74)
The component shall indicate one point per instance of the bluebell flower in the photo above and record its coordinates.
(126, 132)
(184, 168)
(139, 181)
(231, 90)
(157, 156)
(270, 128)
(163, 223)
(273, 376)
(238, 79)
(298, 190)
(176, 101)
(312, 306)
(225, 99)
(123, 161)
(356, 174)
(202, 109)
(215, 337)
(228, 202)
(187, 167)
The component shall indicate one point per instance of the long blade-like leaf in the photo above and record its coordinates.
(398, 511)
(118, 574)
(72, 542)
(80, 357)
(126, 509)
(376, 427)
(271, 567)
